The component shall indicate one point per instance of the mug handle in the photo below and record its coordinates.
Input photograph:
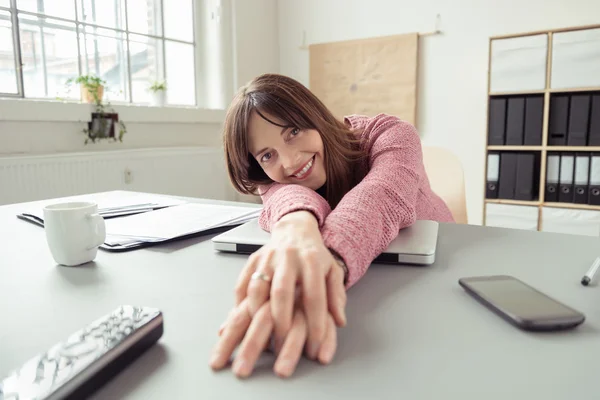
(99, 229)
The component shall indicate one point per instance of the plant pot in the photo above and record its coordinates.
(159, 98)
(88, 95)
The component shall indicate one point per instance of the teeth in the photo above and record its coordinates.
(305, 169)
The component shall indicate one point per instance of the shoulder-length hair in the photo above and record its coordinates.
(289, 101)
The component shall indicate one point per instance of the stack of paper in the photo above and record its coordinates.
(173, 222)
(113, 204)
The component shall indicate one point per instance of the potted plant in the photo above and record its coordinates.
(159, 92)
(92, 88)
(105, 124)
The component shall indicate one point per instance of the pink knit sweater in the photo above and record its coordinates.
(394, 193)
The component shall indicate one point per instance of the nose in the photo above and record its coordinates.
(290, 161)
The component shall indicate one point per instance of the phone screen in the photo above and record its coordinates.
(516, 298)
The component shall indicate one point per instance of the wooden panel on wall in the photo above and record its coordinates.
(367, 76)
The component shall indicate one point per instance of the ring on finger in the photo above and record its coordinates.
(261, 276)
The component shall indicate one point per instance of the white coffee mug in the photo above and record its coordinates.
(74, 231)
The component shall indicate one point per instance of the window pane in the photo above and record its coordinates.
(181, 82)
(8, 76)
(103, 54)
(143, 16)
(33, 62)
(54, 57)
(4, 3)
(57, 8)
(179, 22)
(146, 66)
(102, 12)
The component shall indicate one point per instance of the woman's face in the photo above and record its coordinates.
(287, 155)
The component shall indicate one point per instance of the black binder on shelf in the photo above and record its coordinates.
(493, 172)
(579, 112)
(515, 120)
(594, 135)
(497, 119)
(559, 120)
(567, 163)
(534, 120)
(526, 182)
(508, 175)
(582, 172)
(552, 174)
(594, 187)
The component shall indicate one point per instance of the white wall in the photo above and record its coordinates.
(453, 65)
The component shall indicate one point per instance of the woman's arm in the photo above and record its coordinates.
(370, 216)
(282, 199)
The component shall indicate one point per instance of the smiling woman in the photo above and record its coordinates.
(335, 194)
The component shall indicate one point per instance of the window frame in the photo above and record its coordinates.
(80, 28)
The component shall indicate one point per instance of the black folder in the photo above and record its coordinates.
(534, 119)
(594, 136)
(594, 187)
(493, 172)
(579, 112)
(552, 174)
(508, 175)
(567, 167)
(582, 173)
(558, 120)
(496, 124)
(515, 120)
(526, 182)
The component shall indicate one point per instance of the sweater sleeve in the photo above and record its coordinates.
(281, 199)
(370, 215)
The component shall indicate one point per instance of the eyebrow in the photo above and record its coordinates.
(261, 150)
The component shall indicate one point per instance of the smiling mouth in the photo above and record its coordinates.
(305, 171)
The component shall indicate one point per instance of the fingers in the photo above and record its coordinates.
(315, 304)
(292, 348)
(336, 295)
(241, 287)
(258, 289)
(233, 333)
(254, 342)
(283, 290)
(329, 346)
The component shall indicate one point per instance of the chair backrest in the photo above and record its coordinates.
(447, 180)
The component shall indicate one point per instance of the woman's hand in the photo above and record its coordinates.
(295, 258)
(253, 335)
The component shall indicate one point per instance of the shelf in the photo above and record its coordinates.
(574, 90)
(572, 205)
(514, 202)
(545, 32)
(573, 148)
(523, 93)
(515, 148)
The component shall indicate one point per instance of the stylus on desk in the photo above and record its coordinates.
(587, 278)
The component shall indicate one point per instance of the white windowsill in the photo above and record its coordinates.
(27, 110)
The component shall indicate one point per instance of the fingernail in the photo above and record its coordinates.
(284, 368)
(327, 356)
(242, 368)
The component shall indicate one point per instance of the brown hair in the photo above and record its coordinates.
(289, 101)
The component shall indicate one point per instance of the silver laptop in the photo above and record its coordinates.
(413, 245)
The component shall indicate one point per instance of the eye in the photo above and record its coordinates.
(294, 131)
(266, 157)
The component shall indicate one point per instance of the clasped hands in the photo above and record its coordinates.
(290, 297)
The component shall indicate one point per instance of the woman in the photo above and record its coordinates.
(335, 194)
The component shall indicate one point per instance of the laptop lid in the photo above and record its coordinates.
(415, 244)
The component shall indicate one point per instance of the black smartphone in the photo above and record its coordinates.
(521, 304)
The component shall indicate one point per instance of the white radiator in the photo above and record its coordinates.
(188, 171)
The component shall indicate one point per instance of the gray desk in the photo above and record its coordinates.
(413, 333)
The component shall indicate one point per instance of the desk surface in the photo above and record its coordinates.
(412, 332)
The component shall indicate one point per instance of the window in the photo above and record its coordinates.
(128, 43)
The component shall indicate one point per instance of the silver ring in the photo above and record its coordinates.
(261, 276)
